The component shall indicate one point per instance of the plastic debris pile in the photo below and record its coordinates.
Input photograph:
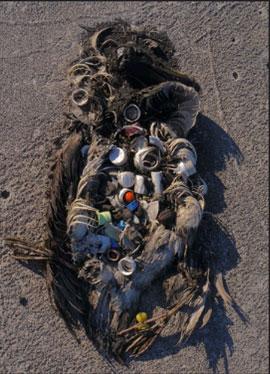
(132, 185)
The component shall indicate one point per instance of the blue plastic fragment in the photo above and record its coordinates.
(121, 224)
(114, 244)
(133, 205)
(84, 150)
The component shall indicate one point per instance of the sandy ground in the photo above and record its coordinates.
(224, 45)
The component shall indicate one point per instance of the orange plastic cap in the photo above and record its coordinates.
(129, 196)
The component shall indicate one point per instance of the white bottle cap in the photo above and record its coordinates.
(118, 156)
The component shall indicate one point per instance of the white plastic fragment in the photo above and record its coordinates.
(156, 177)
(126, 179)
(154, 140)
(185, 168)
(136, 220)
(139, 186)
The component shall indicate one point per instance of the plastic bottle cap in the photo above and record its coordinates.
(118, 156)
(126, 266)
(132, 113)
(113, 255)
(141, 317)
(128, 196)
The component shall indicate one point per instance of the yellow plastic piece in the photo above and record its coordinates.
(141, 317)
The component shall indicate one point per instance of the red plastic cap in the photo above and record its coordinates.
(129, 196)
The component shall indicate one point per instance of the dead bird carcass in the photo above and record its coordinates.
(126, 199)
